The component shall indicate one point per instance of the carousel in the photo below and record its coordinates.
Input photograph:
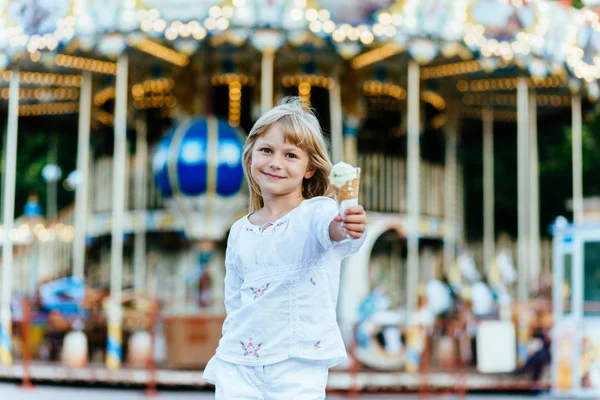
(161, 94)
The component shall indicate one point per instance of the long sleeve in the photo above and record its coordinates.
(325, 211)
(233, 282)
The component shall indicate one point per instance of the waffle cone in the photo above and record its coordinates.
(349, 191)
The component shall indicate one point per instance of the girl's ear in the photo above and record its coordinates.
(310, 171)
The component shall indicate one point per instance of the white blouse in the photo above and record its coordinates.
(281, 288)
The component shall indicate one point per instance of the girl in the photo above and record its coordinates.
(283, 266)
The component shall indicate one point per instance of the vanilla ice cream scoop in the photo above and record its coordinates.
(345, 180)
(342, 174)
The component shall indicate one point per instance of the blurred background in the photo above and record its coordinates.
(475, 124)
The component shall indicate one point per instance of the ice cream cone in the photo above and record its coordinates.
(347, 195)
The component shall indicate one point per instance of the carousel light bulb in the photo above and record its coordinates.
(353, 34)
(35, 56)
(384, 18)
(199, 33)
(324, 15)
(210, 23)
(397, 19)
(159, 25)
(222, 24)
(184, 31)
(171, 34)
(311, 14)
(366, 37)
(315, 26)
(339, 35)
(328, 26)
(215, 12)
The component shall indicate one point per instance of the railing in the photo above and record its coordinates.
(383, 185)
(100, 188)
(44, 260)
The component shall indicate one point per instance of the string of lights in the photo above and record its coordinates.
(377, 88)
(498, 84)
(31, 110)
(87, 64)
(162, 52)
(452, 69)
(44, 79)
(376, 55)
(511, 100)
(43, 94)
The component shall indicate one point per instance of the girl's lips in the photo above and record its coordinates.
(273, 176)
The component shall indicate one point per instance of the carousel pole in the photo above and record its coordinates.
(522, 175)
(577, 158)
(141, 160)
(351, 124)
(337, 122)
(450, 186)
(413, 187)
(534, 202)
(488, 188)
(10, 166)
(266, 80)
(113, 350)
(83, 160)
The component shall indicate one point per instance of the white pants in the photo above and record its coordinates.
(294, 378)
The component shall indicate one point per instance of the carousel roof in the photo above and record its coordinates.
(552, 42)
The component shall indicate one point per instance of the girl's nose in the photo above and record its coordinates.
(275, 162)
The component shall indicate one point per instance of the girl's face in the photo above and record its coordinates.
(278, 167)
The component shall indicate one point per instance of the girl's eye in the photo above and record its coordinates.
(292, 155)
(265, 150)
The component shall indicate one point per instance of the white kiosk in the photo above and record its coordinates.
(576, 305)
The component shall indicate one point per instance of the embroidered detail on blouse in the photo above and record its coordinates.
(317, 345)
(250, 349)
(260, 291)
(313, 282)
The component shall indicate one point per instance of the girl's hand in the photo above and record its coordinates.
(353, 221)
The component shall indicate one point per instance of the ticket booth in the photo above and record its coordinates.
(576, 310)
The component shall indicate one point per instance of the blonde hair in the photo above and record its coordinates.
(300, 128)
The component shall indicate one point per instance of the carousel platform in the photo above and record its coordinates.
(339, 380)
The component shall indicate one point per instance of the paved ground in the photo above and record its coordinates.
(12, 391)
